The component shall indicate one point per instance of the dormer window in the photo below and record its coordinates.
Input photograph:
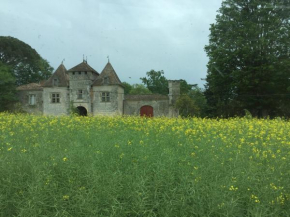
(106, 80)
(55, 82)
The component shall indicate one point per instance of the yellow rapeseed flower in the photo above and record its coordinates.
(65, 197)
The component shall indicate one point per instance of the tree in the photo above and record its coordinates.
(192, 104)
(200, 101)
(7, 87)
(139, 89)
(27, 65)
(156, 82)
(127, 87)
(186, 106)
(185, 88)
(249, 58)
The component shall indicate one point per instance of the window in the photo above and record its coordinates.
(55, 82)
(80, 73)
(106, 80)
(86, 72)
(32, 100)
(73, 73)
(80, 94)
(55, 98)
(105, 96)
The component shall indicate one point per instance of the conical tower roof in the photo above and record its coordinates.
(107, 77)
(83, 67)
(60, 75)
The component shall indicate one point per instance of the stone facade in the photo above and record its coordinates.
(92, 93)
(30, 97)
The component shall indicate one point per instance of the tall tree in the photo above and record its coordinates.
(7, 87)
(249, 58)
(27, 65)
(185, 88)
(156, 82)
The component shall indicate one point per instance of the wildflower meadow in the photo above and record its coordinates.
(132, 166)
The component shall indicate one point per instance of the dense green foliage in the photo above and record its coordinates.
(7, 87)
(19, 64)
(186, 106)
(132, 166)
(156, 82)
(192, 104)
(27, 65)
(127, 87)
(197, 94)
(249, 58)
(135, 89)
(139, 89)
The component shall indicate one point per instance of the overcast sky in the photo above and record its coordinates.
(137, 36)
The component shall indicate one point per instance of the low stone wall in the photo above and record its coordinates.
(133, 104)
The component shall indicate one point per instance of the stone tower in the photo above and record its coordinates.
(108, 93)
(81, 77)
(174, 93)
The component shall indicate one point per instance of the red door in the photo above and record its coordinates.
(146, 110)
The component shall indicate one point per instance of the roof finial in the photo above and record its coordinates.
(86, 59)
(108, 59)
(83, 58)
(62, 60)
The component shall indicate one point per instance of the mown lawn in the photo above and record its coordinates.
(131, 166)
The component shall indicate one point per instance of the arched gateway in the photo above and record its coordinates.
(146, 110)
(82, 111)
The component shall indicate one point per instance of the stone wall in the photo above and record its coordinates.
(160, 106)
(114, 106)
(23, 96)
(61, 108)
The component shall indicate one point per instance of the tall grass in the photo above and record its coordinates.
(131, 166)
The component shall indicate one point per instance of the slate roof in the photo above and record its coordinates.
(83, 67)
(149, 97)
(108, 77)
(59, 74)
(31, 86)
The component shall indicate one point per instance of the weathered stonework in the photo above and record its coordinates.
(59, 108)
(93, 94)
(159, 103)
(37, 107)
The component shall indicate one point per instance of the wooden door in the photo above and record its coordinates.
(146, 110)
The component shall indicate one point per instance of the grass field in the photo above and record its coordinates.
(131, 166)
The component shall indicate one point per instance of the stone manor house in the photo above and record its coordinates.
(93, 94)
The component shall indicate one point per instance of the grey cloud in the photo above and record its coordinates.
(167, 35)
